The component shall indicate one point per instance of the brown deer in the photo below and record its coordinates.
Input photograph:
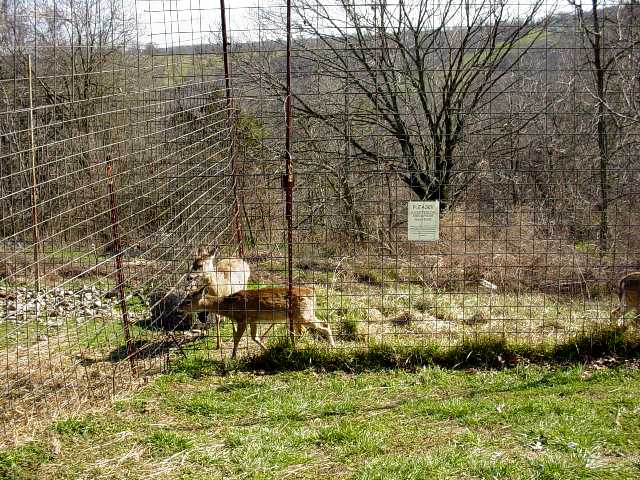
(261, 306)
(629, 294)
(220, 279)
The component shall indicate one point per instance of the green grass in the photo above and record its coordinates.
(481, 351)
(68, 253)
(98, 332)
(348, 297)
(389, 402)
(135, 304)
(163, 443)
(74, 426)
(22, 463)
(532, 421)
(23, 334)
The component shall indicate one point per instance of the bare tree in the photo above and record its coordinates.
(628, 16)
(80, 58)
(422, 77)
(606, 48)
(628, 64)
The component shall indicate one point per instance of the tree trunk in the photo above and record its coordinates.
(603, 145)
(603, 139)
(436, 190)
(350, 205)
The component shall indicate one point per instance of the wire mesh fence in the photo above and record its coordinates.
(519, 119)
(434, 171)
(115, 162)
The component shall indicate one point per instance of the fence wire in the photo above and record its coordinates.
(115, 166)
(133, 133)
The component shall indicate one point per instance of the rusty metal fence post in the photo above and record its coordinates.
(34, 187)
(231, 125)
(288, 177)
(117, 246)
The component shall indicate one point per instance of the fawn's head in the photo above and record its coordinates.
(191, 303)
(203, 265)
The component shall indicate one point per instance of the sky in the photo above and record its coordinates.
(187, 22)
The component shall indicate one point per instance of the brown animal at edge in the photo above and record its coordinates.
(629, 295)
(261, 306)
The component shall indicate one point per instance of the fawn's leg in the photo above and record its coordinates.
(254, 335)
(306, 317)
(237, 335)
(615, 313)
(322, 328)
(326, 331)
(264, 334)
(217, 320)
(621, 309)
(624, 304)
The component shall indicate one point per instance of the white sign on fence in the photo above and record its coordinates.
(423, 221)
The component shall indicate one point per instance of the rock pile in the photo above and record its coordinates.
(22, 305)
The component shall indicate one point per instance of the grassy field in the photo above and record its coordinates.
(377, 406)
(393, 301)
(580, 421)
(380, 309)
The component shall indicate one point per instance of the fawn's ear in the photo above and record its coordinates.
(202, 251)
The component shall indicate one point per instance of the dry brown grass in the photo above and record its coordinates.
(521, 255)
(43, 382)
